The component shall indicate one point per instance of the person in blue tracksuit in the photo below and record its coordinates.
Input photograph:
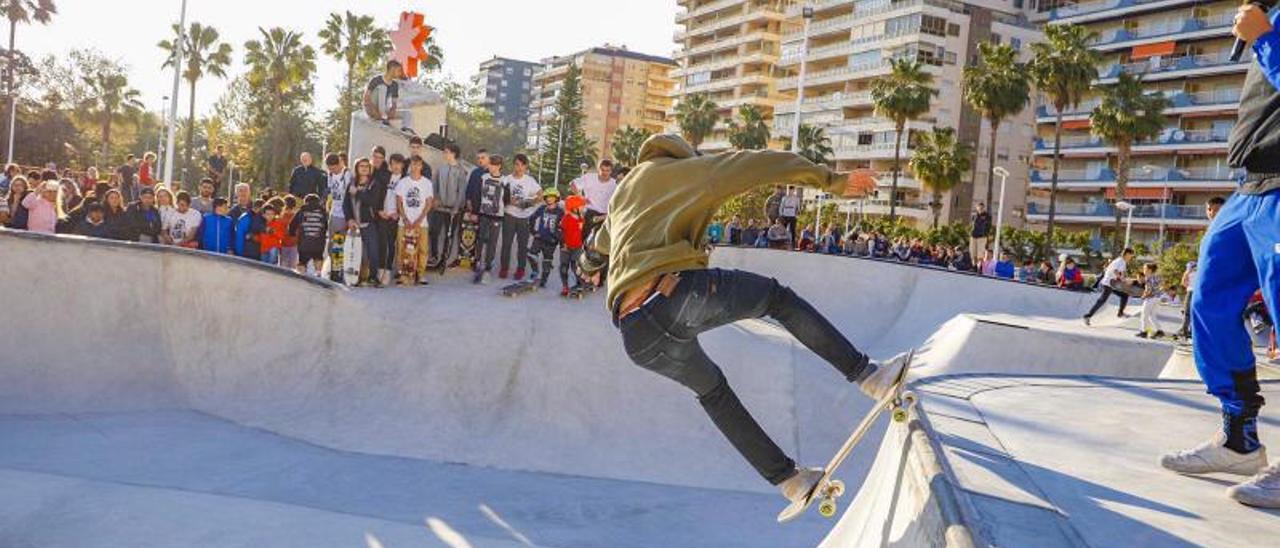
(215, 231)
(1239, 254)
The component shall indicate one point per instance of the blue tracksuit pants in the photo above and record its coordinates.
(1239, 253)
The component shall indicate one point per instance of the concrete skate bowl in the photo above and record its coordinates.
(453, 373)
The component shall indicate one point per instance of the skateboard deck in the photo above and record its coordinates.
(519, 288)
(581, 291)
(828, 489)
(468, 232)
(352, 255)
(336, 245)
(409, 258)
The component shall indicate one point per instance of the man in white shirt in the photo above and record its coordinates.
(788, 210)
(180, 226)
(598, 189)
(524, 195)
(1114, 273)
(415, 198)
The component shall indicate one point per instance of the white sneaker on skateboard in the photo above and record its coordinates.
(1213, 457)
(885, 378)
(799, 487)
(1262, 490)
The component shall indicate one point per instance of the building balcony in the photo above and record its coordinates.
(1188, 29)
(875, 151)
(726, 83)
(731, 42)
(854, 45)
(726, 62)
(1169, 68)
(880, 207)
(1101, 10)
(711, 26)
(835, 101)
(1224, 100)
(822, 28)
(842, 74)
(796, 9)
(1196, 140)
(1100, 213)
(1203, 178)
(704, 9)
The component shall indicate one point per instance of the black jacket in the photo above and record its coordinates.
(981, 225)
(363, 206)
(1255, 140)
(142, 222)
(308, 180)
(311, 227)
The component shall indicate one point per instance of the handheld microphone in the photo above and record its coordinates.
(1237, 49)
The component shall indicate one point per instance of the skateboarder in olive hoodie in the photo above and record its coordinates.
(662, 295)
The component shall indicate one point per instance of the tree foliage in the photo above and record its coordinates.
(749, 131)
(280, 73)
(997, 86)
(626, 144)
(902, 96)
(203, 53)
(697, 115)
(1126, 115)
(564, 138)
(939, 163)
(362, 47)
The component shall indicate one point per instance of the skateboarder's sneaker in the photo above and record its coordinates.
(564, 292)
(1159, 334)
(502, 274)
(1262, 490)
(884, 379)
(479, 275)
(519, 275)
(1088, 320)
(1141, 334)
(1212, 457)
(799, 487)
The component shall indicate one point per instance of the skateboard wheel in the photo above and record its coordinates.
(827, 508)
(837, 488)
(900, 415)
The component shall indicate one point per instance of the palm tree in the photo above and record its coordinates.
(626, 144)
(901, 96)
(21, 11)
(752, 133)
(280, 66)
(356, 41)
(109, 96)
(814, 144)
(1063, 69)
(1126, 115)
(203, 54)
(435, 55)
(939, 162)
(998, 87)
(697, 115)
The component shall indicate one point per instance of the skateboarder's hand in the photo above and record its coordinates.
(594, 278)
(351, 225)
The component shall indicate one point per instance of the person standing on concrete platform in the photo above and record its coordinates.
(1238, 254)
(981, 231)
(1114, 273)
(662, 296)
(524, 196)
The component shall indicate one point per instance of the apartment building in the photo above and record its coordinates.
(619, 88)
(506, 88)
(850, 44)
(1180, 48)
(729, 51)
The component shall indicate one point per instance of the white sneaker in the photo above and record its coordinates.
(800, 486)
(1262, 490)
(880, 382)
(1212, 457)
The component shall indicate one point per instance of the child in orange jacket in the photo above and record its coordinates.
(272, 239)
(571, 242)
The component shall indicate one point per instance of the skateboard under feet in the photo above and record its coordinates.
(899, 402)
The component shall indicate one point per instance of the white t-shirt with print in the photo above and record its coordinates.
(337, 190)
(417, 194)
(598, 193)
(180, 226)
(1118, 265)
(389, 202)
(524, 195)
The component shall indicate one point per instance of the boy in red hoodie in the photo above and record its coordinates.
(273, 238)
(571, 246)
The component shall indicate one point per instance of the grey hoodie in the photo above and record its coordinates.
(451, 186)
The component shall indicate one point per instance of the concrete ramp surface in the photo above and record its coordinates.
(208, 400)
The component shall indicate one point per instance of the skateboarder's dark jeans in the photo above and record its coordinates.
(662, 336)
(486, 242)
(371, 248)
(517, 228)
(1102, 299)
(440, 224)
(388, 229)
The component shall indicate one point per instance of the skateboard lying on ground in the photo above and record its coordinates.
(580, 291)
(519, 288)
(828, 489)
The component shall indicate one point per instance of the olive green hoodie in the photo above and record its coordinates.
(658, 217)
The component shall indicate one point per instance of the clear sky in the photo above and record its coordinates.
(469, 31)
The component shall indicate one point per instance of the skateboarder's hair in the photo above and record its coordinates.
(606, 163)
(522, 159)
(393, 64)
(379, 150)
(219, 202)
(415, 140)
(312, 199)
(397, 157)
(1217, 200)
(496, 160)
(417, 159)
(455, 149)
(183, 196)
(290, 201)
(206, 181)
(332, 160)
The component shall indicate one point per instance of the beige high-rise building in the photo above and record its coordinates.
(620, 88)
(728, 50)
(851, 43)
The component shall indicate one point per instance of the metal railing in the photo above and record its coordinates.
(1171, 212)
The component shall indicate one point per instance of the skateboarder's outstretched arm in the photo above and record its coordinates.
(737, 172)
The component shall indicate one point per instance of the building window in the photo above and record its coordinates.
(509, 71)
(1016, 43)
(953, 29)
(528, 72)
(502, 109)
(995, 38)
(936, 26)
(950, 58)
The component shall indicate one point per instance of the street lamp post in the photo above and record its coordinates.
(1003, 173)
(807, 12)
(1128, 224)
(160, 135)
(173, 99)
